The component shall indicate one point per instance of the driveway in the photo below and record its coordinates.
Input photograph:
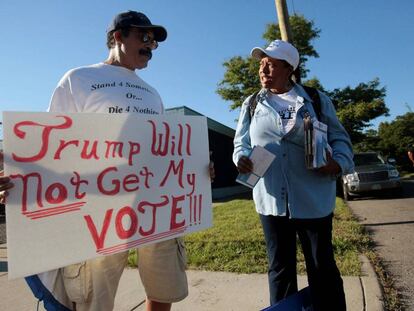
(391, 222)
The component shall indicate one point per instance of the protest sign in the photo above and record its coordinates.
(88, 185)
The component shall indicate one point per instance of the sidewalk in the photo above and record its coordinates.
(208, 291)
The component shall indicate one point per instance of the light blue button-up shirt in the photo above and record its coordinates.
(288, 184)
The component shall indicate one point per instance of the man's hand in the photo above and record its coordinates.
(211, 171)
(331, 168)
(410, 154)
(244, 165)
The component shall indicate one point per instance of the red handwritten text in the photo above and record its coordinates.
(163, 144)
(129, 183)
(131, 226)
(88, 148)
(177, 169)
(47, 129)
(55, 193)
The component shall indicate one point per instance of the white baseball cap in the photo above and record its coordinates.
(278, 49)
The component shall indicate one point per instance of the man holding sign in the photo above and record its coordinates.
(114, 87)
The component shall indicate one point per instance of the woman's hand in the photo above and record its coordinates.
(244, 165)
(331, 167)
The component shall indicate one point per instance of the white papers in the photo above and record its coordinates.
(320, 144)
(316, 144)
(261, 159)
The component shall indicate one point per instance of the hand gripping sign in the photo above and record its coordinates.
(88, 185)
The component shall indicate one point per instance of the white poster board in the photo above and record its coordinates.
(88, 185)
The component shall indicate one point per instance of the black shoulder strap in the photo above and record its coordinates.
(252, 104)
(316, 100)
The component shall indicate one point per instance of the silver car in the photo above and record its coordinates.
(372, 174)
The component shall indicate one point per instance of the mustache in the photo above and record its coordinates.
(146, 52)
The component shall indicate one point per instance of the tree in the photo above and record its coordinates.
(241, 77)
(356, 107)
(396, 136)
(369, 143)
(315, 83)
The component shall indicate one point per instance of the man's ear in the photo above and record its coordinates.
(117, 36)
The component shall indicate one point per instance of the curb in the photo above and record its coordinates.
(372, 290)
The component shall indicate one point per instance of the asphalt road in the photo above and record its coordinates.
(391, 222)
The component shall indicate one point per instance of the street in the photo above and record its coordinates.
(391, 222)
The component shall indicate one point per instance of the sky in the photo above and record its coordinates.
(360, 40)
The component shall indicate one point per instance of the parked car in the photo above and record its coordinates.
(372, 174)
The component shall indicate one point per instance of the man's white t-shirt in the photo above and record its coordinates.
(107, 89)
(285, 105)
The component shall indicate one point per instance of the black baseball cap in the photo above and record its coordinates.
(139, 20)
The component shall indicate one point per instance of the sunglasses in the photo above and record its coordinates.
(147, 39)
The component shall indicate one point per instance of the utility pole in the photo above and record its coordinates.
(285, 30)
(283, 18)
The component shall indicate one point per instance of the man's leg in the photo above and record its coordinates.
(324, 279)
(157, 306)
(280, 239)
(92, 285)
(162, 270)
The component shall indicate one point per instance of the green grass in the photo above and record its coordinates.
(235, 243)
(406, 174)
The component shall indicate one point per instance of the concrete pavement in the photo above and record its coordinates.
(208, 291)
